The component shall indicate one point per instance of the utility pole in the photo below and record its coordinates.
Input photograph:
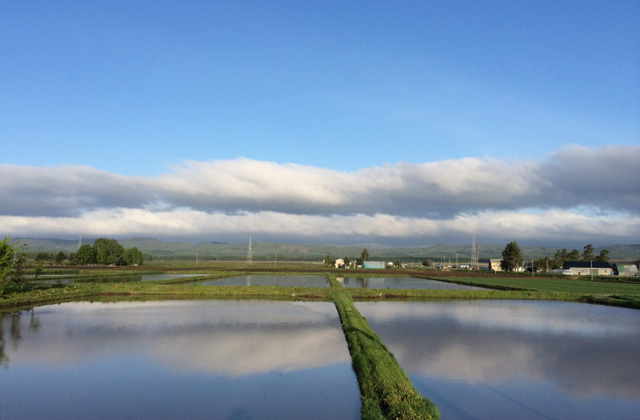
(249, 253)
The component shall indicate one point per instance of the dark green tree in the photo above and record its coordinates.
(329, 261)
(543, 264)
(559, 258)
(573, 255)
(13, 260)
(60, 257)
(511, 257)
(133, 256)
(85, 255)
(365, 255)
(587, 254)
(7, 252)
(43, 256)
(603, 256)
(108, 251)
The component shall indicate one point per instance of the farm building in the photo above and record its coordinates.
(373, 264)
(584, 268)
(494, 264)
(626, 270)
(562, 271)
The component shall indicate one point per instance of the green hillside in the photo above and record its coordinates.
(283, 251)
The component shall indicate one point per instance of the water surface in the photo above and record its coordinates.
(264, 280)
(402, 283)
(177, 360)
(516, 359)
(156, 277)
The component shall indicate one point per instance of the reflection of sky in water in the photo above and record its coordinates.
(264, 280)
(401, 283)
(242, 357)
(524, 360)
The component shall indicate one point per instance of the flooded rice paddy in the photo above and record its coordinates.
(516, 359)
(265, 280)
(242, 359)
(176, 360)
(401, 283)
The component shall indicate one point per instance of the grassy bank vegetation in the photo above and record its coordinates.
(385, 388)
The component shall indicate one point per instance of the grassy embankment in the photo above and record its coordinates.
(386, 390)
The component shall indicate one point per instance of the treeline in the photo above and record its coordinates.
(513, 258)
(104, 251)
(108, 252)
(562, 255)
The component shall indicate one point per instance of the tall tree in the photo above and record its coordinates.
(329, 261)
(511, 257)
(603, 256)
(108, 251)
(364, 255)
(574, 255)
(13, 259)
(6, 261)
(559, 258)
(60, 256)
(587, 254)
(85, 255)
(133, 256)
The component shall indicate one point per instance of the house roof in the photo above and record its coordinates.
(586, 264)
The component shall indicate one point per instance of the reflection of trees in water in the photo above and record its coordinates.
(4, 360)
(15, 332)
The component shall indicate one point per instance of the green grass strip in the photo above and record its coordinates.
(387, 391)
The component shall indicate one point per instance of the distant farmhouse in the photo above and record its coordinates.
(586, 268)
(494, 264)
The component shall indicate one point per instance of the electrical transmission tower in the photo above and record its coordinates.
(474, 254)
(249, 253)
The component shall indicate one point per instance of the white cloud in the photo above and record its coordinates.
(435, 201)
(543, 226)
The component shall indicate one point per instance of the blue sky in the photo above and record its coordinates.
(139, 92)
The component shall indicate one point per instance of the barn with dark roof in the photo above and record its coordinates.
(586, 268)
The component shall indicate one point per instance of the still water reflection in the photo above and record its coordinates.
(264, 280)
(516, 360)
(401, 283)
(175, 360)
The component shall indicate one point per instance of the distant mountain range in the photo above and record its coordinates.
(270, 251)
